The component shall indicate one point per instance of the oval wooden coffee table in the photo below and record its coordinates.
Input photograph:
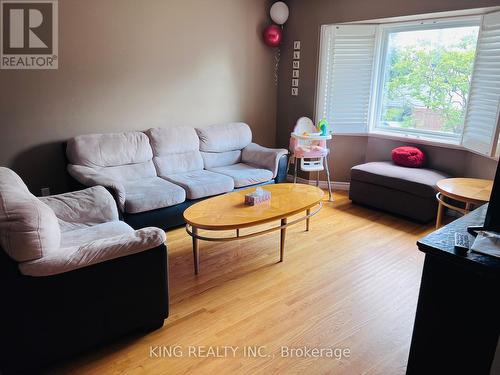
(470, 191)
(229, 212)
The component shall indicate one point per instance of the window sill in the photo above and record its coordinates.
(446, 143)
(423, 140)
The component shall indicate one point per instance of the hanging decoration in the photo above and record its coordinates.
(279, 13)
(273, 34)
(276, 66)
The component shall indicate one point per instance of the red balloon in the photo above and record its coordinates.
(273, 35)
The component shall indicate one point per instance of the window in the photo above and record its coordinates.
(435, 79)
(426, 75)
(349, 52)
(481, 125)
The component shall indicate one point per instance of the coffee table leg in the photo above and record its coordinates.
(196, 253)
(282, 239)
(439, 217)
(308, 212)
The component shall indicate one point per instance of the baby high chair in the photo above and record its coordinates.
(309, 145)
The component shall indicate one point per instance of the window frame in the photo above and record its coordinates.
(379, 76)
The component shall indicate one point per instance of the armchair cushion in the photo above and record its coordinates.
(83, 234)
(200, 184)
(28, 227)
(98, 250)
(244, 175)
(87, 207)
(152, 193)
(224, 137)
(263, 157)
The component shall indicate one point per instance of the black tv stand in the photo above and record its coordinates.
(457, 324)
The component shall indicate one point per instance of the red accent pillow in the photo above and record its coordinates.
(408, 156)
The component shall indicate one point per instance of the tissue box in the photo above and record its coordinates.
(257, 197)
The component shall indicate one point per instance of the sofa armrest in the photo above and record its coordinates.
(263, 157)
(91, 206)
(90, 177)
(94, 252)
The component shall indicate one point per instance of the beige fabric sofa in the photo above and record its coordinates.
(168, 167)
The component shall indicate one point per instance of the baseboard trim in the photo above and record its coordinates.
(337, 185)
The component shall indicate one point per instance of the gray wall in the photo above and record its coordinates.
(306, 18)
(452, 161)
(131, 65)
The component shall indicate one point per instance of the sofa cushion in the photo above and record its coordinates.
(175, 150)
(28, 227)
(200, 184)
(244, 175)
(108, 150)
(150, 194)
(83, 208)
(421, 182)
(128, 171)
(101, 249)
(84, 234)
(221, 159)
(224, 137)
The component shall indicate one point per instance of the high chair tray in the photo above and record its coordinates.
(312, 137)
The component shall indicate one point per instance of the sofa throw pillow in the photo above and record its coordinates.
(408, 156)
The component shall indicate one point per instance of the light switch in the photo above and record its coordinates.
(296, 44)
(296, 55)
(296, 64)
(295, 91)
(295, 82)
(296, 73)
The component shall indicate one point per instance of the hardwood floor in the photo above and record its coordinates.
(351, 282)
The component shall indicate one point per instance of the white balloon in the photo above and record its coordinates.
(279, 12)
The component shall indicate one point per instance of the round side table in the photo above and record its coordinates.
(470, 191)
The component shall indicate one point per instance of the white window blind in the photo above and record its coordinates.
(346, 70)
(481, 120)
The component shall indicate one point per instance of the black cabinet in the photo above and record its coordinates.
(457, 323)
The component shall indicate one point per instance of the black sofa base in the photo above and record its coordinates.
(46, 319)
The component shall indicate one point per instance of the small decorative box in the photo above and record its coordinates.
(258, 196)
